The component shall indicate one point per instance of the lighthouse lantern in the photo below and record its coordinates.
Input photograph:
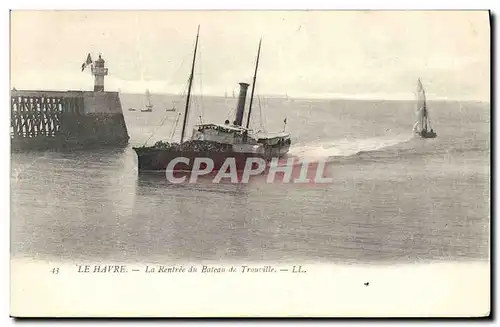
(99, 71)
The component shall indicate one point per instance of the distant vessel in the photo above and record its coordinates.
(215, 141)
(149, 106)
(172, 108)
(423, 126)
(131, 109)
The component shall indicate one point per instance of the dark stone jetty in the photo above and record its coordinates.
(42, 120)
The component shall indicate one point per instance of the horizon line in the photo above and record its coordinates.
(368, 97)
(324, 96)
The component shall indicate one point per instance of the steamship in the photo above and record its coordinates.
(215, 141)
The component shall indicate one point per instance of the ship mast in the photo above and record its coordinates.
(190, 85)
(426, 114)
(253, 85)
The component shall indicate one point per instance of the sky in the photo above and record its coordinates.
(344, 54)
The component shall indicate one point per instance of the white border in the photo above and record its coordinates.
(255, 4)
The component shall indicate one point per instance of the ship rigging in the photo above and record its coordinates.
(217, 141)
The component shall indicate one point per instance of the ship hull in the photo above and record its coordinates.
(158, 160)
(277, 151)
(427, 134)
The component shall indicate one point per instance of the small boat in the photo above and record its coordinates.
(422, 126)
(149, 106)
(172, 109)
(131, 109)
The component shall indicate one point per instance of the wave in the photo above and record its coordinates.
(347, 147)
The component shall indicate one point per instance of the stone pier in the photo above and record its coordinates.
(66, 120)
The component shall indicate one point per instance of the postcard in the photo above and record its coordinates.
(250, 163)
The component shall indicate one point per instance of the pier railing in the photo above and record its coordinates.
(41, 115)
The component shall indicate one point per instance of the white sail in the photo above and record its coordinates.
(148, 96)
(422, 113)
(420, 117)
(415, 127)
(420, 95)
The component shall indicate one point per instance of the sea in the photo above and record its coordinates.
(394, 198)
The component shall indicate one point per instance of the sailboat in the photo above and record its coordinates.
(149, 106)
(215, 141)
(172, 108)
(422, 126)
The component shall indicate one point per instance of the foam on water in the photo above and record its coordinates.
(346, 147)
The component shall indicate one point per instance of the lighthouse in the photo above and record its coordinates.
(99, 72)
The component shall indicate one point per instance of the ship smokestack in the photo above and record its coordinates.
(240, 110)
